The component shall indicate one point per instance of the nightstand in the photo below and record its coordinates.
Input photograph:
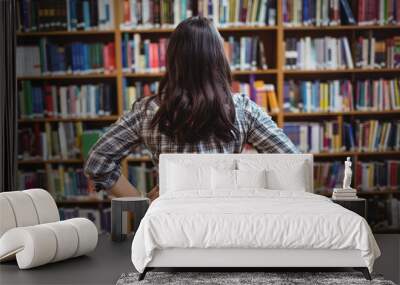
(358, 205)
(136, 205)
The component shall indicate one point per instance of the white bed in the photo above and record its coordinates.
(220, 225)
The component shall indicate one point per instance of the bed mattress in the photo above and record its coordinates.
(251, 219)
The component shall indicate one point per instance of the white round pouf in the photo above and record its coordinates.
(87, 235)
(7, 218)
(66, 238)
(33, 246)
(45, 205)
(23, 208)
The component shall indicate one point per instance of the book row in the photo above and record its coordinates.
(260, 92)
(71, 101)
(370, 135)
(373, 53)
(318, 53)
(139, 89)
(378, 12)
(369, 176)
(341, 96)
(100, 217)
(65, 15)
(169, 13)
(144, 55)
(68, 183)
(263, 94)
(317, 12)
(375, 175)
(63, 140)
(48, 58)
(143, 178)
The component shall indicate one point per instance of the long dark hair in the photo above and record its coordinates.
(194, 96)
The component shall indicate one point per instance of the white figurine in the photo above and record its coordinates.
(347, 174)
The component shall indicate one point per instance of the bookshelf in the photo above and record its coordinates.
(274, 36)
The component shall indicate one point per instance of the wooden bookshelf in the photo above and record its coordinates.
(342, 28)
(72, 119)
(220, 29)
(69, 76)
(275, 37)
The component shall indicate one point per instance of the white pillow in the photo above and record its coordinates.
(251, 178)
(297, 181)
(281, 174)
(183, 177)
(224, 179)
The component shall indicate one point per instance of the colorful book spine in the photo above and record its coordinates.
(378, 95)
(143, 178)
(73, 58)
(63, 140)
(317, 96)
(136, 91)
(169, 13)
(378, 175)
(315, 137)
(65, 15)
(317, 12)
(70, 101)
(328, 175)
(374, 135)
(378, 12)
(318, 53)
(373, 53)
(263, 94)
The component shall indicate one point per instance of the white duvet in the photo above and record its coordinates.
(253, 218)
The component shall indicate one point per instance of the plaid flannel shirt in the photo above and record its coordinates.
(133, 129)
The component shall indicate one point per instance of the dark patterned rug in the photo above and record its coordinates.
(243, 278)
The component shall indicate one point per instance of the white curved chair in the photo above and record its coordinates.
(31, 231)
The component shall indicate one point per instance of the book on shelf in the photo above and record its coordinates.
(49, 58)
(28, 179)
(68, 101)
(263, 94)
(64, 15)
(62, 140)
(378, 12)
(317, 12)
(27, 61)
(143, 178)
(374, 135)
(136, 91)
(375, 53)
(368, 176)
(145, 55)
(328, 175)
(68, 183)
(169, 13)
(245, 53)
(378, 95)
(315, 137)
(100, 217)
(318, 53)
(340, 95)
(318, 96)
(88, 140)
(375, 175)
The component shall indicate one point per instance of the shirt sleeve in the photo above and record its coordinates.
(103, 163)
(263, 133)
